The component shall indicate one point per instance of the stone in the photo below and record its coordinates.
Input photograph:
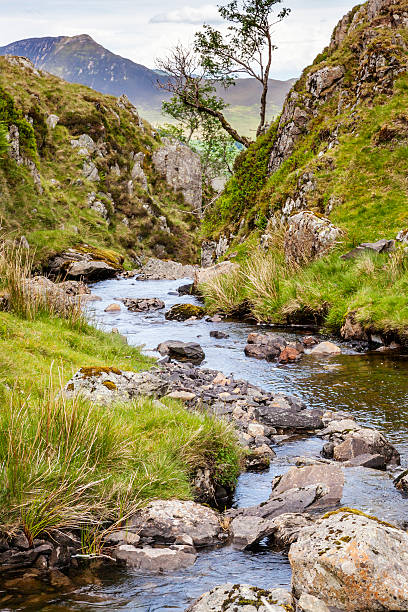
(107, 385)
(329, 477)
(205, 275)
(309, 603)
(241, 598)
(375, 462)
(342, 426)
(182, 312)
(353, 562)
(184, 396)
(113, 308)
(86, 263)
(143, 304)
(158, 269)
(264, 346)
(182, 351)
(156, 560)
(185, 289)
(122, 536)
(137, 172)
(249, 530)
(401, 482)
(52, 121)
(319, 81)
(366, 441)
(289, 355)
(290, 414)
(181, 167)
(218, 334)
(381, 246)
(90, 171)
(164, 520)
(309, 237)
(308, 341)
(287, 529)
(326, 348)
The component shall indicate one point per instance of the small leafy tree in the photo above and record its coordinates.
(217, 59)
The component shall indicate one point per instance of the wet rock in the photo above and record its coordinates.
(218, 334)
(289, 355)
(156, 560)
(309, 236)
(366, 441)
(182, 312)
(381, 246)
(401, 482)
(107, 385)
(287, 529)
(353, 562)
(182, 351)
(186, 289)
(375, 462)
(264, 346)
(308, 341)
(143, 304)
(159, 269)
(205, 275)
(249, 530)
(112, 308)
(162, 521)
(326, 348)
(290, 414)
(330, 478)
(241, 598)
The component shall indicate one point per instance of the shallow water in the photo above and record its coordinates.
(373, 386)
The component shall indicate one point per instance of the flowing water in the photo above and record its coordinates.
(372, 386)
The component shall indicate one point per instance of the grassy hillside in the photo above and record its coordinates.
(59, 215)
(353, 154)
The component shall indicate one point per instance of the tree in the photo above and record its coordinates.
(217, 59)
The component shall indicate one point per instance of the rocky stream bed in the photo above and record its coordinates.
(285, 414)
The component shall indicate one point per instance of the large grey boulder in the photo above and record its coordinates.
(80, 264)
(309, 236)
(329, 477)
(366, 441)
(181, 167)
(163, 521)
(156, 560)
(352, 562)
(242, 598)
(248, 530)
(289, 413)
(107, 385)
(182, 351)
(281, 531)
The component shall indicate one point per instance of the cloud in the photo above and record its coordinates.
(189, 14)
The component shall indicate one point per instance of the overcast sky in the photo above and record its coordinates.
(144, 29)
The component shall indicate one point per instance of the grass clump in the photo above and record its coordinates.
(73, 464)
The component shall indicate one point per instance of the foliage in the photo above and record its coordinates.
(10, 115)
(3, 139)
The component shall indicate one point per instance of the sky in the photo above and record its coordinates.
(143, 30)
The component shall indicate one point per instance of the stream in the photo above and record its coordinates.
(372, 386)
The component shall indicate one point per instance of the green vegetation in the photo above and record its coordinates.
(58, 214)
(81, 465)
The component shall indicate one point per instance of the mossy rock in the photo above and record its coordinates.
(98, 254)
(182, 312)
(90, 372)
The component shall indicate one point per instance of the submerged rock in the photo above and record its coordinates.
(352, 562)
(326, 348)
(242, 597)
(182, 312)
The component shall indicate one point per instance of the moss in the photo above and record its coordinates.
(347, 510)
(181, 312)
(99, 254)
(109, 385)
(91, 372)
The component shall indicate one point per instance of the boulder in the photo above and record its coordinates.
(329, 477)
(143, 304)
(401, 482)
(156, 560)
(352, 562)
(309, 603)
(326, 348)
(289, 413)
(87, 263)
(205, 275)
(159, 269)
(186, 289)
(264, 346)
(309, 236)
(107, 385)
(366, 441)
(242, 598)
(218, 334)
(249, 530)
(375, 462)
(319, 81)
(182, 312)
(181, 167)
(182, 351)
(290, 354)
(381, 246)
(287, 529)
(163, 521)
(113, 308)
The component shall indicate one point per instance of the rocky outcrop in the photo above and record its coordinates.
(159, 269)
(13, 137)
(309, 236)
(212, 250)
(181, 168)
(352, 562)
(381, 246)
(242, 598)
(87, 264)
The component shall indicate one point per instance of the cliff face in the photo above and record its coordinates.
(79, 169)
(330, 141)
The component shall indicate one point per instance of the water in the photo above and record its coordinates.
(373, 386)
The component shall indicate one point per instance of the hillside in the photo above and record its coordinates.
(80, 59)
(80, 170)
(332, 168)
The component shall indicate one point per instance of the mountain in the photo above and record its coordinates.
(83, 167)
(79, 59)
(330, 175)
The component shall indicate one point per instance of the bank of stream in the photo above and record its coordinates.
(372, 386)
